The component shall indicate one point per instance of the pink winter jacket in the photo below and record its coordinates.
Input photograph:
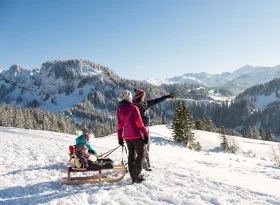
(130, 124)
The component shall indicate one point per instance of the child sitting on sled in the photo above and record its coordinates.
(84, 140)
(90, 161)
(86, 159)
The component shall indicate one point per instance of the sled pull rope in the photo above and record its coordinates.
(109, 152)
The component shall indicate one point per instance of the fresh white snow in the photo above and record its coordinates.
(31, 164)
(219, 97)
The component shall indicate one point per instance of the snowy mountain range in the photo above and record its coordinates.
(32, 174)
(85, 91)
(88, 92)
(235, 82)
(59, 85)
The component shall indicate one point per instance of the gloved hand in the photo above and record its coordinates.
(169, 96)
(121, 143)
(146, 140)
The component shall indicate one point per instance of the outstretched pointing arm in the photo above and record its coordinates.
(153, 102)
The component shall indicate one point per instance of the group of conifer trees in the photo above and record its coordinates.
(31, 118)
(261, 134)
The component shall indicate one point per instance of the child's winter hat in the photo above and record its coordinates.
(126, 95)
(139, 93)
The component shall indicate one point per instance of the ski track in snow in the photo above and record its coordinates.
(32, 162)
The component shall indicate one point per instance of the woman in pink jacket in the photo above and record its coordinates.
(132, 130)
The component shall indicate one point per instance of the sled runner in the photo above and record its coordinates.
(104, 171)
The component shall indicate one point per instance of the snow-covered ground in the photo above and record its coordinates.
(219, 97)
(31, 164)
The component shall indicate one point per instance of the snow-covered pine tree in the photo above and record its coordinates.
(262, 133)
(10, 115)
(250, 132)
(182, 125)
(255, 133)
(269, 136)
(28, 119)
(210, 127)
(46, 121)
(199, 124)
(18, 118)
(3, 117)
(178, 123)
(188, 127)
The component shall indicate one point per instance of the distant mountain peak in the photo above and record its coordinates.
(72, 68)
(246, 69)
(16, 68)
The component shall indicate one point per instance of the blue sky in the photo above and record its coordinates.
(142, 39)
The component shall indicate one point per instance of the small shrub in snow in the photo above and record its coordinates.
(228, 144)
(195, 146)
(224, 141)
(232, 146)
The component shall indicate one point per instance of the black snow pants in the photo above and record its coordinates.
(136, 154)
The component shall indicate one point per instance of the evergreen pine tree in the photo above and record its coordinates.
(189, 136)
(269, 136)
(3, 117)
(10, 115)
(198, 124)
(262, 134)
(249, 132)
(18, 118)
(177, 123)
(46, 121)
(255, 133)
(210, 127)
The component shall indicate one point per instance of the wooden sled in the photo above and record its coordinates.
(112, 175)
(101, 174)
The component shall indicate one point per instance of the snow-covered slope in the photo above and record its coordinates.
(263, 95)
(32, 162)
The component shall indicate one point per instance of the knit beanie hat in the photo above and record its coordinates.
(126, 95)
(139, 93)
